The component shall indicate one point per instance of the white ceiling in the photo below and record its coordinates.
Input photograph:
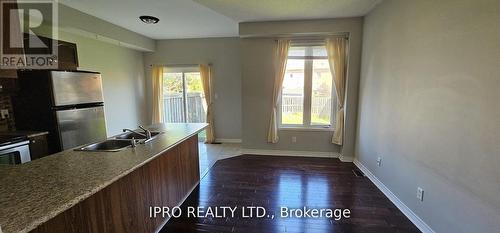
(267, 10)
(178, 18)
(212, 18)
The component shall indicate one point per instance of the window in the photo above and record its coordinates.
(307, 97)
(183, 96)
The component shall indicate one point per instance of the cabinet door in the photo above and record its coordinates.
(12, 34)
(8, 73)
(38, 147)
(68, 56)
(47, 43)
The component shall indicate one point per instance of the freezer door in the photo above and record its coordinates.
(81, 126)
(72, 88)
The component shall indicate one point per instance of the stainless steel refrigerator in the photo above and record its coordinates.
(69, 105)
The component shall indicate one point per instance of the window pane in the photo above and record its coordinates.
(196, 105)
(297, 51)
(292, 97)
(173, 98)
(319, 51)
(321, 99)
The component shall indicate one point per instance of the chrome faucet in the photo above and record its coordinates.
(133, 131)
(133, 143)
(147, 132)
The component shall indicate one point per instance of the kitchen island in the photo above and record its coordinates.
(79, 191)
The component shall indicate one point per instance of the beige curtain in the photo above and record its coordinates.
(337, 57)
(157, 79)
(206, 79)
(280, 54)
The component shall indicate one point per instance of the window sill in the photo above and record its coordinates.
(291, 128)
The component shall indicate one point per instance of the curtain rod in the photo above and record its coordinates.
(310, 38)
(180, 65)
(319, 35)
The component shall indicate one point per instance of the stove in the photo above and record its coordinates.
(14, 149)
(6, 139)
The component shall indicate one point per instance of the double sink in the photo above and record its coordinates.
(120, 142)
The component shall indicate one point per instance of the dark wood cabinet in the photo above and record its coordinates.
(45, 48)
(67, 56)
(8, 73)
(38, 146)
(9, 86)
(67, 53)
(11, 32)
(123, 206)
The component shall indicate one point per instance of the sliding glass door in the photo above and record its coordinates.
(183, 97)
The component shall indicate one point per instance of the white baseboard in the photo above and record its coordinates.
(346, 159)
(228, 140)
(389, 194)
(291, 153)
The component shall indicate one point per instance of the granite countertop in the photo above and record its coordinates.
(34, 192)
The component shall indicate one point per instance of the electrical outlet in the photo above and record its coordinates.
(294, 139)
(4, 113)
(379, 161)
(420, 194)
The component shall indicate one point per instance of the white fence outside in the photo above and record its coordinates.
(173, 107)
(320, 106)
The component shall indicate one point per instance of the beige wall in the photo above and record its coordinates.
(224, 54)
(257, 83)
(123, 80)
(429, 106)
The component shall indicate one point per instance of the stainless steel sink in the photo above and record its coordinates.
(130, 135)
(121, 141)
(109, 145)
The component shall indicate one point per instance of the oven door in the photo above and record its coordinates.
(16, 153)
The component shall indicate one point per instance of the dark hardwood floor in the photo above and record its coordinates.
(294, 182)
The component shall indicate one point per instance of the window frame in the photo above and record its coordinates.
(307, 104)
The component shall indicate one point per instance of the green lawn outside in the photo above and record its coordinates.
(296, 118)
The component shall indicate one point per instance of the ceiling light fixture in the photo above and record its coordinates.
(149, 19)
